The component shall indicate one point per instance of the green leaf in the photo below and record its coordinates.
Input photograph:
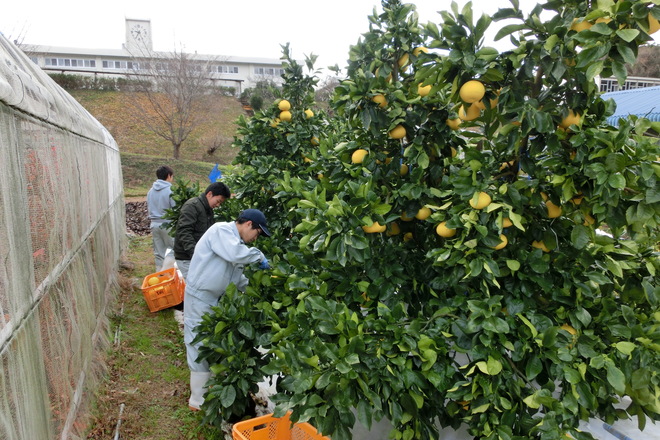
(627, 35)
(513, 265)
(625, 347)
(617, 181)
(227, 395)
(382, 208)
(614, 267)
(533, 368)
(616, 378)
(551, 42)
(580, 236)
(510, 29)
(531, 401)
(364, 413)
(572, 376)
(492, 367)
(594, 70)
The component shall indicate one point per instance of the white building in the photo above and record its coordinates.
(230, 71)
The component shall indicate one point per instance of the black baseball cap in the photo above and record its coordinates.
(257, 218)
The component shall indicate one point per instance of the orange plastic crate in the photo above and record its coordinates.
(167, 293)
(271, 428)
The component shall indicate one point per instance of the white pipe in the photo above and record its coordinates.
(121, 411)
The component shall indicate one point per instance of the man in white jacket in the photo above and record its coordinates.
(219, 259)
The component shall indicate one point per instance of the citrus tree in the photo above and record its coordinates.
(278, 146)
(470, 242)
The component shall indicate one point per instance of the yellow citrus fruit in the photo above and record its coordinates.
(359, 155)
(569, 328)
(275, 122)
(570, 119)
(407, 236)
(284, 105)
(506, 222)
(472, 113)
(314, 140)
(577, 198)
(482, 201)
(403, 61)
(554, 211)
(454, 124)
(580, 25)
(423, 213)
(306, 159)
(503, 242)
(398, 132)
(374, 228)
(443, 231)
(588, 220)
(403, 170)
(153, 281)
(453, 152)
(309, 113)
(393, 229)
(285, 115)
(506, 165)
(405, 217)
(540, 245)
(472, 91)
(654, 24)
(380, 100)
(423, 90)
(419, 50)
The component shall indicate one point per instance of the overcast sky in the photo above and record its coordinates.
(251, 28)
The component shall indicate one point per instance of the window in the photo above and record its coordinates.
(109, 64)
(268, 71)
(224, 69)
(69, 62)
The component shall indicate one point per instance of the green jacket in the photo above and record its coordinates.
(195, 218)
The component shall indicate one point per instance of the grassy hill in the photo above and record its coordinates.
(142, 151)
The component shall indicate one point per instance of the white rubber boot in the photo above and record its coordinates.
(197, 388)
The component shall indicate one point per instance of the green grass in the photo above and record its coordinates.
(147, 370)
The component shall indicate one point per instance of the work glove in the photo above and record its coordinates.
(264, 264)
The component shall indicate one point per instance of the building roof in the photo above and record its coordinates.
(642, 102)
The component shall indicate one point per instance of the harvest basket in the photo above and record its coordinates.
(269, 427)
(168, 292)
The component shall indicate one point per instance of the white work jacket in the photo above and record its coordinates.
(219, 259)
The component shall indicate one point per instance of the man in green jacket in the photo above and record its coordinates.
(195, 218)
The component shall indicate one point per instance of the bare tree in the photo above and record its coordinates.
(169, 95)
(325, 90)
(647, 65)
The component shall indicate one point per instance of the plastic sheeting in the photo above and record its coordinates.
(61, 236)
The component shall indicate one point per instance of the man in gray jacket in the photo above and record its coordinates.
(219, 259)
(195, 218)
(158, 200)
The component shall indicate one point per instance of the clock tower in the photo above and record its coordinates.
(138, 36)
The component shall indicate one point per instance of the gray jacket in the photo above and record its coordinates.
(158, 200)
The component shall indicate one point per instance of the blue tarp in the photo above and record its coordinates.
(643, 102)
(215, 174)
